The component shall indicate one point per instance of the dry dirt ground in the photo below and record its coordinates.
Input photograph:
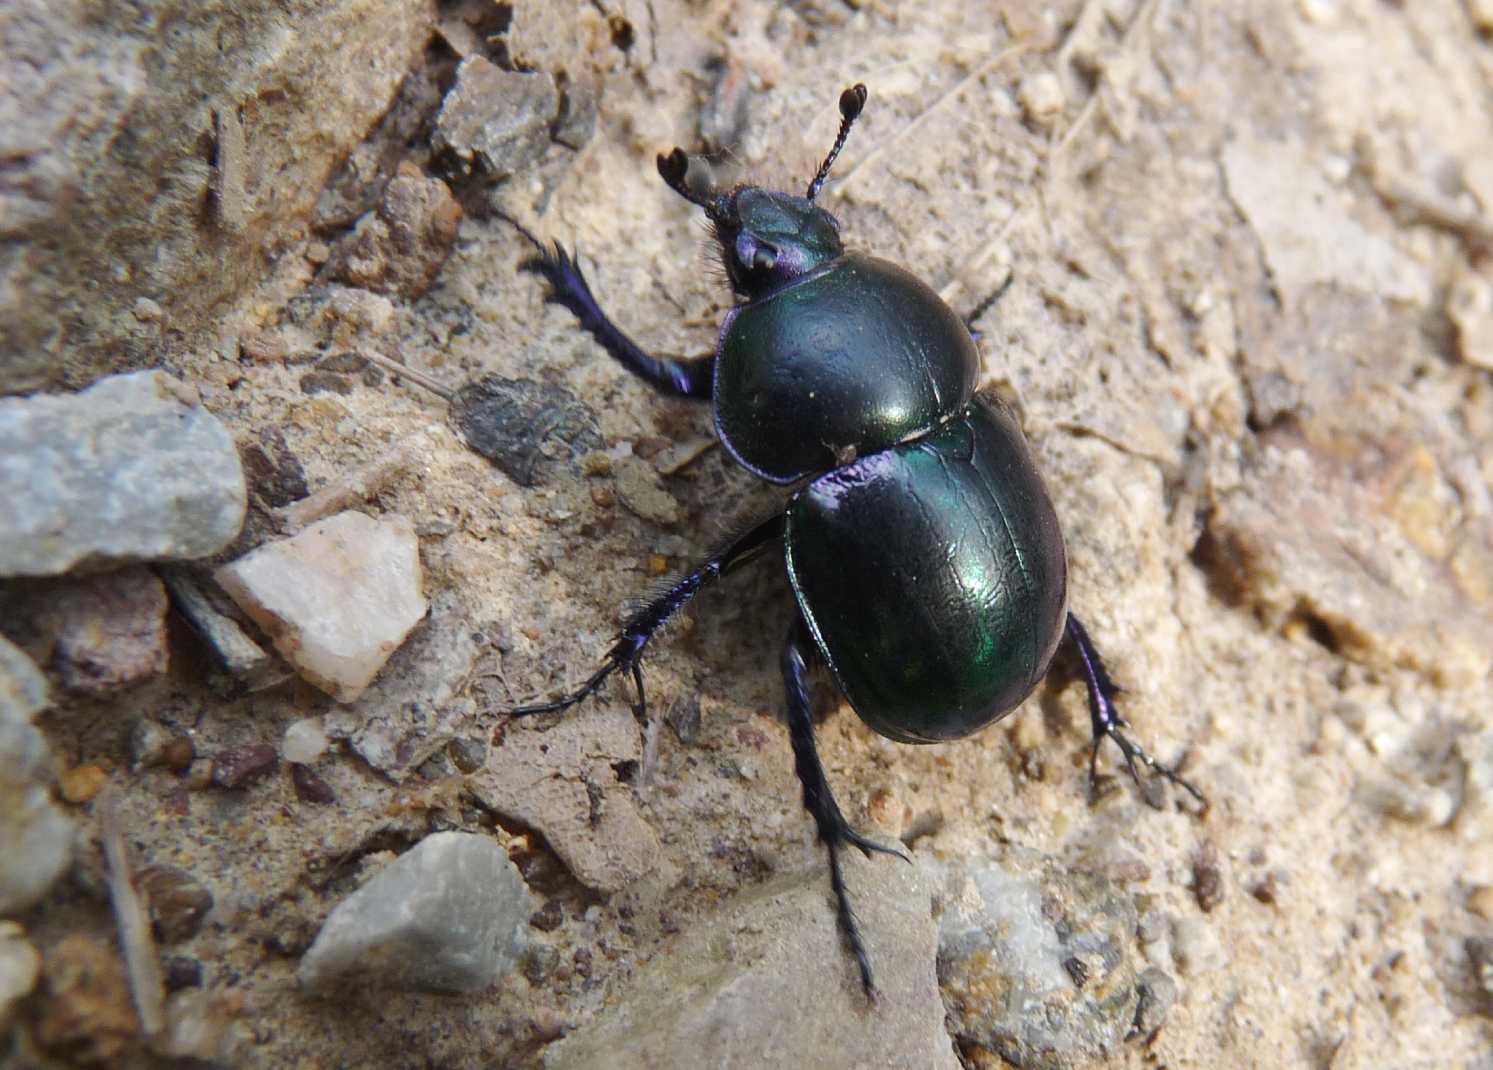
(1241, 253)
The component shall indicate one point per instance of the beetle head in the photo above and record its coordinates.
(768, 237)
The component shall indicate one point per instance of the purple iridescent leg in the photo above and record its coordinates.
(1108, 724)
(834, 831)
(640, 627)
(568, 287)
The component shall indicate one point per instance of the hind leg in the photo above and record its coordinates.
(834, 831)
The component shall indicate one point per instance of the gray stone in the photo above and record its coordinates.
(494, 122)
(767, 982)
(1035, 961)
(240, 656)
(526, 428)
(1158, 991)
(131, 469)
(449, 915)
(36, 839)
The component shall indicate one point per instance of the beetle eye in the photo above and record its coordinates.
(764, 258)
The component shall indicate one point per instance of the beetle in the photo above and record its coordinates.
(927, 565)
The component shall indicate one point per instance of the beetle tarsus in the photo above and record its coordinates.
(1107, 723)
(834, 831)
(627, 652)
(567, 287)
(614, 660)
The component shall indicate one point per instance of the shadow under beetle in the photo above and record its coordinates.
(923, 551)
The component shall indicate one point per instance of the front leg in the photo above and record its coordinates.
(568, 287)
(642, 624)
(834, 831)
(1108, 724)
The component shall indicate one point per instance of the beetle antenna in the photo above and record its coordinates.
(672, 168)
(851, 103)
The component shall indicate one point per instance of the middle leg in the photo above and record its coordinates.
(642, 624)
(834, 831)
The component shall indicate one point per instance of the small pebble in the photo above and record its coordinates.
(1480, 958)
(178, 901)
(1157, 991)
(540, 962)
(305, 741)
(238, 766)
(82, 783)
(1480, 901)
(148, 740)
(1041, 96)
(199, 774)
(266, 347)
(548, 918)
(468, 755)
(178, 754)
(182, 971)
(493, 121)
(1470, 307)
(309, 787)
(1207, 877)
(111, 630)
(146, 311)
(1319, 12)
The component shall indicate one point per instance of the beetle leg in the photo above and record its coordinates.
(1108, 724)
(834, 831)
(568, 287)
(640, 627)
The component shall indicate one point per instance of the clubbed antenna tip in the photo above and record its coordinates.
(672, 168)
(852, 102)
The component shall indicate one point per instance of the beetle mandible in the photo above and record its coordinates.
(925, 558)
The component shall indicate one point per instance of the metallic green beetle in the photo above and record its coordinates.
(923, 550)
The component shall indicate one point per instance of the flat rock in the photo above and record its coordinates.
(238, 655)
(131, 469)
(414, 708)
(449, 915)
(36, 838)
(562, 780)
(1035, 961)
(493, 122)
(527, 428)
(767, 982)
(337, 599)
